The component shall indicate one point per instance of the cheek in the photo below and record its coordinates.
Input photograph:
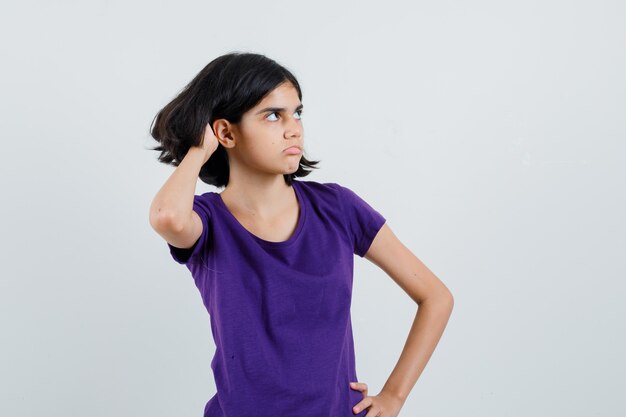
(263, 148)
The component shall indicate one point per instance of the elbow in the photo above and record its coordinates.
(442, 299)
(450, 301)
(165, 220)
(445, 297)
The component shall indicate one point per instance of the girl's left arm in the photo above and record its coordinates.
(434, 306)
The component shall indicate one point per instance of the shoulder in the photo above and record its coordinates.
(320, 191)
(339, 195)
(204, 204)
(207, 197)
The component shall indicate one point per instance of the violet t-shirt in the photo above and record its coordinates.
(280, 311)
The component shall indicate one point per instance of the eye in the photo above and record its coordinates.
(299, 112)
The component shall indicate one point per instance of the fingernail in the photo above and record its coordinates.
(351, 384)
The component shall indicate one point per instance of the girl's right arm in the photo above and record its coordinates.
(171, 212)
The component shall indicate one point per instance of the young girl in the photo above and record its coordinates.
(272, 255)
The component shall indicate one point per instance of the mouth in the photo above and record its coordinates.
(293, 149)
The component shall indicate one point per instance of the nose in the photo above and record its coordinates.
(294, 128)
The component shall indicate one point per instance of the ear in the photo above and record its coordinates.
(224, 132)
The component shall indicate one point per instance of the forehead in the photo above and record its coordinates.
(285, 93)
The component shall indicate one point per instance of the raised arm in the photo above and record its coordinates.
(171, 212)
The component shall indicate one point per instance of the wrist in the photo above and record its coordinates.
(393, 394)
(197, 154)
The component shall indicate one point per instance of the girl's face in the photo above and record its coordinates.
(267, 130)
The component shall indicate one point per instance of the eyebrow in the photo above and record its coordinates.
(278, 109)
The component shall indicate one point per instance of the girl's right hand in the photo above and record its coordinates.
(209, 142)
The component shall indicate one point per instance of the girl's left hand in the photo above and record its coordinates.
(381, 405)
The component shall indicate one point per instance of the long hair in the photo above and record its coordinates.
(226, 88)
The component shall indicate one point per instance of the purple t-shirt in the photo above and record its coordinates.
(280, 311)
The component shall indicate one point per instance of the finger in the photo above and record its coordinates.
(359, 386)
(362, 405)
(372, 412)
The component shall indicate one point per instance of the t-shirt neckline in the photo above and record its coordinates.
(294, 235)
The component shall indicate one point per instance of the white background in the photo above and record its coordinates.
(490, 134)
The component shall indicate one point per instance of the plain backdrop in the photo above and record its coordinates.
(490, 134)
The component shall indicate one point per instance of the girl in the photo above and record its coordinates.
(272, 255)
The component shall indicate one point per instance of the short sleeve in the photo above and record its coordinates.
(363, 220)
(195, 253)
